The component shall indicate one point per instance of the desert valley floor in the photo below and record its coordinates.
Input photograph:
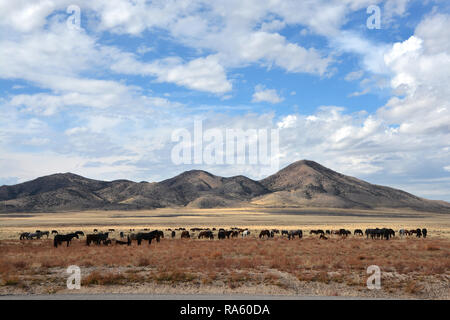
(410, 267)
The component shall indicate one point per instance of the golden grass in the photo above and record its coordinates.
(233, 262)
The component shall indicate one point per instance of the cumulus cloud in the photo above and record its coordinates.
(262, 94)
(83, 116)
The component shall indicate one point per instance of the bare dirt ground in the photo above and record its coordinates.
(410, 267)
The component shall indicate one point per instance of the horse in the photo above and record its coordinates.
(424, 232)
(97, 238)
(46, 233)
(358, 232)
(206, 234)
(298, 233)
(54, 232)
(24, 235)
(160, 233)
(418, 233)
(36, 235)
(173, 234)
(245, 233)
(264, 233)
(60, 238)
(344, 233)
(185, 234)
(222, 234)
(147, 236)
(284, 232)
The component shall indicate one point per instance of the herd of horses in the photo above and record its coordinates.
(99, 238)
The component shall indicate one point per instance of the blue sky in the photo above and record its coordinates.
(102, 98)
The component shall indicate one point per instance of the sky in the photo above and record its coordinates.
(101, 88)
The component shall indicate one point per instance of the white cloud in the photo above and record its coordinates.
(262, 94)
(354, 75)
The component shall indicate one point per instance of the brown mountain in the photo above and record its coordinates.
(301, 184)
(307, 183)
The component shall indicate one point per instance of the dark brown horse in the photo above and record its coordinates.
(206, 234)
(185, 234)
(264, 233)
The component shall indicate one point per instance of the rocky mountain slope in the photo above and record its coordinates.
(301, 184)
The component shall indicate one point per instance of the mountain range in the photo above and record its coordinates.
(302, 184)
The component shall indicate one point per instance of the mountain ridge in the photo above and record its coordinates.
(304, 183)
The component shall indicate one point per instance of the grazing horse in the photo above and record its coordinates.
(185, 234)
(24, 235)
(173, 234)
(344, 233)
(155, 234)
(206, 234)
(284, 232)
(96, 238)
(36, 235)
(222, 234)
(402, 232)
(418, 233)
(264, 233)
(44, 233)
(358, 232)
(60, 238)
(424, 232)
(245, 233)
(298, 233)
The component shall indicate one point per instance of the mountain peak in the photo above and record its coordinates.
(304, 183)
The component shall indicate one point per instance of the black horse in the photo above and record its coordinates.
(60, 238)
(298, 233)
(424, 232)
(206, 234)
(358, 232)
(24, 235)
(173, 234)
(96, 238)
(222, 234)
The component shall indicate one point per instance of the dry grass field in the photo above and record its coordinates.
(410, 267)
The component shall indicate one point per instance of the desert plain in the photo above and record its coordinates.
(410, 267)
